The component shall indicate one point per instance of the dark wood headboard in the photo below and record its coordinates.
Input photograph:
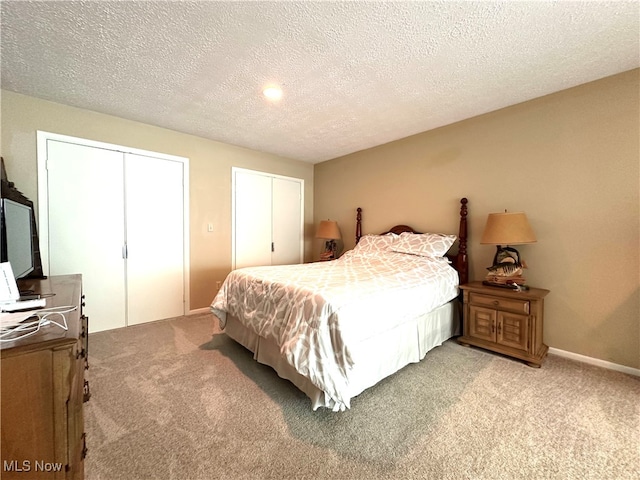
(460, 260)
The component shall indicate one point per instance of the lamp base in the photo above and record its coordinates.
(329, 251)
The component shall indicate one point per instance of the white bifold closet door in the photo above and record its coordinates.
(252, 220)
(268, 219)
(86, 228)
(286, 221)
(117, 219)
(154, 238)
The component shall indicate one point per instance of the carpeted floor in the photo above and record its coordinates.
(177, 399)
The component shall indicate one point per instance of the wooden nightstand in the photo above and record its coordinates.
(505, 321)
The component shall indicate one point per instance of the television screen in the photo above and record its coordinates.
(18, 237)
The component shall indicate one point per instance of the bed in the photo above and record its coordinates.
(336, 328)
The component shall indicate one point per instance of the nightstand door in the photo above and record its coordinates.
(482, 323)
(513, 330)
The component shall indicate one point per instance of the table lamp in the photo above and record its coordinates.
(329, 231)
(503, 230)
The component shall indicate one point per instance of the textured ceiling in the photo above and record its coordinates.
(354, 74)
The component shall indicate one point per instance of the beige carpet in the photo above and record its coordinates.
(177, 399)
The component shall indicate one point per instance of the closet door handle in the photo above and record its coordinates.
(125, 251)
(273, 247)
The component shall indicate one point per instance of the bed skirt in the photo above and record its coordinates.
(375, 357)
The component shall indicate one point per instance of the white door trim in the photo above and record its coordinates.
(43, 195)
(235, 170)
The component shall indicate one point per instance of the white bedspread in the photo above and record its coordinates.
(313, 312)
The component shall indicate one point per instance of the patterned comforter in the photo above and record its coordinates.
(314, 312)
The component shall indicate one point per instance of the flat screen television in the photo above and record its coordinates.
(17, 235)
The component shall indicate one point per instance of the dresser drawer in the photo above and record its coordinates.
(500, 303)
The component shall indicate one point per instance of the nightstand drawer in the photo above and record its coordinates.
(500, 303)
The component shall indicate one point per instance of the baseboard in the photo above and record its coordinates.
(595, 361)
(198, 311)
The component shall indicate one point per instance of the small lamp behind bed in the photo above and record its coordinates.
(329, 231)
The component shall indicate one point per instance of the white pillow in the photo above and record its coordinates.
(424, 244)
(376, 243)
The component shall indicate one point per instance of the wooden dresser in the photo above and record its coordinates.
(43, 389)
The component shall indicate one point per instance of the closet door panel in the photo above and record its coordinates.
(86, 231)
(252, 222)
(155, 238)
(287, 222)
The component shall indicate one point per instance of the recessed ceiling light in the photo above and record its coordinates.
(272, 93)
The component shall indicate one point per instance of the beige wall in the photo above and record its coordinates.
(569, 160)
(210, 173)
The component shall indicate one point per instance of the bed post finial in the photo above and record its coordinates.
(463, 261)
(358, 225)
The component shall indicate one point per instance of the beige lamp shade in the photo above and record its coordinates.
(328, 229)
(508, 228)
